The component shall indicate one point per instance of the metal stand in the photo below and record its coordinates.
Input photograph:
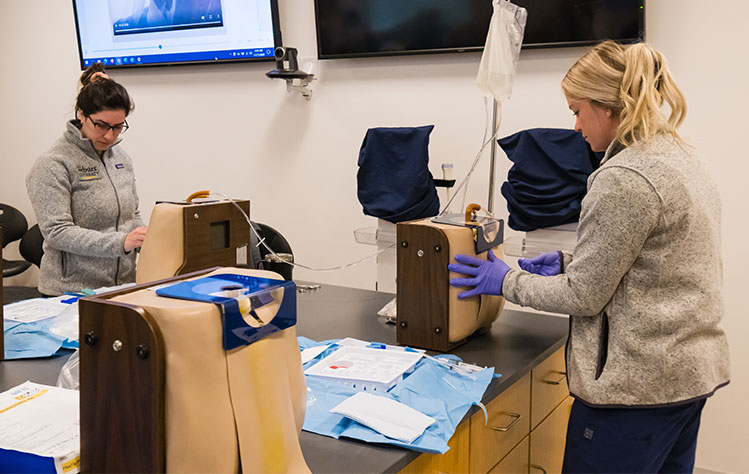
(492, 158)
(301, 85)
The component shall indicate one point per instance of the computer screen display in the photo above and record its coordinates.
(360, 28)
(132, 33)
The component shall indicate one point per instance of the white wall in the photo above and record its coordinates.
(229, 129)
(706, 44)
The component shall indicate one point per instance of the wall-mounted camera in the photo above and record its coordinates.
(286, 59)
(287, 68)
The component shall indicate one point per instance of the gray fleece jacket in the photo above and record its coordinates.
(644, 286)
(85, 205)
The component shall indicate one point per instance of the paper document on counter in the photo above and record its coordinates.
(34, 309)
(385, 415)
(42, 420)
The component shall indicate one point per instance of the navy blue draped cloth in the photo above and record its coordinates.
(394, 182)
(548, 179)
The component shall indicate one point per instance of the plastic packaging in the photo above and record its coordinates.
(69, 377)
(390, 310)
(365, 368)
(499, 61)
(65, 325)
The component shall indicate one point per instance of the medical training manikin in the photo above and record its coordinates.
(160, 391)
(185, 237)
(429, 313)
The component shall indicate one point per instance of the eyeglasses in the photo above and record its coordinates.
(104, 127)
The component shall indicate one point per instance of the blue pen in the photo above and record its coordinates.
(377, 345)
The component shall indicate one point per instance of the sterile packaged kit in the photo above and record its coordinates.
(365, 368)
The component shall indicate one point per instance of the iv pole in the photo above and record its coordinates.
(492, 160)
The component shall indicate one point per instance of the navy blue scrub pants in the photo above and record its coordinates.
(632, 440)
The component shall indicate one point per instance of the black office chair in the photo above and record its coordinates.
(280, 246)
(14, 227)
(31, 245)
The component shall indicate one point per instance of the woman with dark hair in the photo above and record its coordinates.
(84, 196)
(643, 286)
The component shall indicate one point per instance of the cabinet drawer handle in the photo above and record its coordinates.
(536, 466)
(556, 382)
(516, 417)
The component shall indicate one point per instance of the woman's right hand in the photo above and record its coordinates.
(135, 239)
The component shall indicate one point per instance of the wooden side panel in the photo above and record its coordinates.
(121, 390)
(199, 251)
(422, 287)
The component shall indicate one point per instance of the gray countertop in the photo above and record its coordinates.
(517, 342)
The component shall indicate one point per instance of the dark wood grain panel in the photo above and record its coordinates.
(422, 287)
(122, 392)
(197, 221)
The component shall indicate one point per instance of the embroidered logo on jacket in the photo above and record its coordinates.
(119, 166)
(88, 173)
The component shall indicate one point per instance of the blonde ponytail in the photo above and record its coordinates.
(634, 83)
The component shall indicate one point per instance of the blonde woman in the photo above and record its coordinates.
(643, 284)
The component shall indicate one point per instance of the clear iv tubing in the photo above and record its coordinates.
(261, 241)
(464, 181)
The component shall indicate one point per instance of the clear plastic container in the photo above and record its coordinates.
(383, 234)
(536, 242)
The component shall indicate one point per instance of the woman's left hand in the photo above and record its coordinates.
(135, 239)
(487, 275)
(546, 264)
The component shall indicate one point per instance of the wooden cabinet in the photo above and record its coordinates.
(455, 460)
(548, 438)
(516, 460)
(525, 432)
(508, 423)
(549, 386)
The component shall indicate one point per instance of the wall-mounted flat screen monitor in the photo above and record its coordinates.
(133, 33)
(359, 28)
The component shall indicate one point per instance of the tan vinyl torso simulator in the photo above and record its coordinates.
(185, 237)
(429, 313)
(216, 410)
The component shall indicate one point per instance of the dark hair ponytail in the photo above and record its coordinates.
(98, 92)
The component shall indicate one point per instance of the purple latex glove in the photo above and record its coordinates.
(546, 264)
(488, 275)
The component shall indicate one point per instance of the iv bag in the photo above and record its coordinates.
(500, 58)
